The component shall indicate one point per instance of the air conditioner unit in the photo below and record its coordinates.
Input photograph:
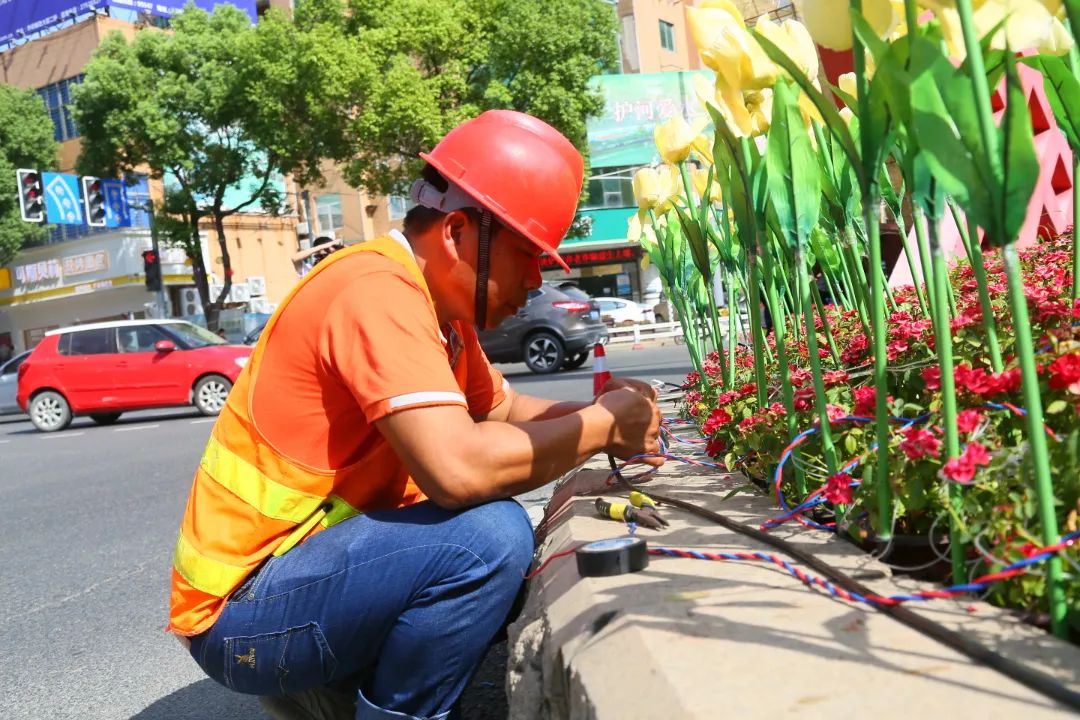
(239, 293)
(257, 286)
(303, 229)
(190, 304)
(261, 305)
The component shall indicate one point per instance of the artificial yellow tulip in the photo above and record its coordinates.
(728, 101)
(700, 178)
(846, 115)
(675, 138)
(759, 105)
(670, 186)
(646, 184)
(728, 48)
(1029, 24)
(792, 37)
(703, 145)
(633, 228)
(846, 82)
(830, 24)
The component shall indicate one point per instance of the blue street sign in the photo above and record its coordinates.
(117, 213)
(62, 204)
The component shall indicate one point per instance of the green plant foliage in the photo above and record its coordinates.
(793, 175)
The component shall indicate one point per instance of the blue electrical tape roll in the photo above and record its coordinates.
(612, 557)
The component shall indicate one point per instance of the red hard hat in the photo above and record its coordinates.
(520, 168)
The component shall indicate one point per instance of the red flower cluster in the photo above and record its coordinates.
(835, 412)
(717, 419)
(865, 402)
(716, 447)
(919, 443)
(932, 376)
(837, 489)
(962, 469)
(986, 384)
(835, 377)
(1065, 373)
(968, 420)
(855, 350)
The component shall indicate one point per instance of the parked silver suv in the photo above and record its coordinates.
(554, 330)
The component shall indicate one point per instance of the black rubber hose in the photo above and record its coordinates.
(1037, 681)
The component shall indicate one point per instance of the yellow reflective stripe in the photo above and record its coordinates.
(205, 573)
(339, 510)
(247, 482)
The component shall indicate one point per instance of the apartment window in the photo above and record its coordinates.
(399, 205)
(610, 188)
(57, 97)
(667, 35)
(328, 210)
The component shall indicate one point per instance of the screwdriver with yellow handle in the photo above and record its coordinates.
(646, 515)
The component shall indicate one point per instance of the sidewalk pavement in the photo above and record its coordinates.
(699, 639)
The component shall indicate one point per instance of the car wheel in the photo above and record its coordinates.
(576, 361)
(544, 353)
(50, 411)
(210, 393)
(105, 418)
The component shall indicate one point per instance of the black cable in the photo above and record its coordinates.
(1038, 681)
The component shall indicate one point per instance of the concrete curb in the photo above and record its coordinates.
(696, 639)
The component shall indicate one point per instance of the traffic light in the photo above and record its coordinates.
(31, 195)
(152, 268)
(93, 192)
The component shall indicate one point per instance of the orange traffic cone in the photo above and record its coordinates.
(600, 373)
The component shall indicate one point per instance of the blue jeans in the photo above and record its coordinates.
(400, 605)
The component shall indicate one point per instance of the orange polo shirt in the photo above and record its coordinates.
(358, 342)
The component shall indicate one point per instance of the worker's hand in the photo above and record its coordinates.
(636, 426)
(639, 386)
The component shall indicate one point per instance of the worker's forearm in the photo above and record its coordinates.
(527, 408)
(512, 458)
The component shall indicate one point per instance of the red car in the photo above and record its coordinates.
(104, 369)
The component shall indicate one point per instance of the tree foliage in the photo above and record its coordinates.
(184, 105)
(26, 141)
(412, 70)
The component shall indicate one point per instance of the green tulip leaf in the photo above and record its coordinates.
(824, 105)
(1020, 166)
(1062, 91)
(793, 179)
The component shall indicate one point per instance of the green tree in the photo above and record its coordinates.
(411, 70)
(26, 141)
(185, 104)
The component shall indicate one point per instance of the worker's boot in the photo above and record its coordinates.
(322, 703)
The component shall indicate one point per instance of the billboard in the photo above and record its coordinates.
(20, 18)
(633, 105)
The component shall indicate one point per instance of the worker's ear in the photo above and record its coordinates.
(455, 227)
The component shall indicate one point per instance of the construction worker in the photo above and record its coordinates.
(348, 548)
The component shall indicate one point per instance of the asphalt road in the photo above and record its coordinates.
(89, 518)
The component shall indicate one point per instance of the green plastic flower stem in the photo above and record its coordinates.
(733, 331)
(757, 335)
(825, 431)
(858, 291)
(1036, 438)
(1076, 205)
(826, 328)
(924, 257)
(971, 231)
(943, 347)
(924, 305)
(780, 333)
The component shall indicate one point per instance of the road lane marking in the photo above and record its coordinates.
(64, 435)
(136, 427)
(204, 420)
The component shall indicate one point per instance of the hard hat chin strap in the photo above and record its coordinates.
(483, 268)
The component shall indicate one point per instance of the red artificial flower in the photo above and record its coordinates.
(797, 376)
(712, 369)
(692, 378)
(896, 348)
(855, 350)
(962, 469)
(865, 402)
(838, 489)
(801, 404)
(835, 377)
(727, 398)
(693, 397)
(932, 376)
(835, 413)
(776, 409)
(717, 418)
(748, 389)
(1065, 373)
(713, 356)
(694, 410)
(968, 420)
(715, 447)
(919, 443)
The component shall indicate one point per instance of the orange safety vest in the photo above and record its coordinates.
(248, 500)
